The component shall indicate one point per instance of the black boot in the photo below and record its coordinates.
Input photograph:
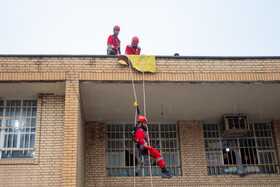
(165, 173)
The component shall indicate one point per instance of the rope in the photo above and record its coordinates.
(132, 81)
(144, 91)
(135, 98)
(150, 167)
(144, 100)
(134, 182)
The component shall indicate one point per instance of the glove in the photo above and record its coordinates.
(148, 147)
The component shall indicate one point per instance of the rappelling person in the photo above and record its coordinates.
(113, 42)
(133, 49)
(141, 139)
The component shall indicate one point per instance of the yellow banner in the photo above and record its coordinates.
(141, 63)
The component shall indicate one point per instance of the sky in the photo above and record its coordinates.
(164, 27)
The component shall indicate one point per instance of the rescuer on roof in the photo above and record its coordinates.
(133, 49)
(113, 43)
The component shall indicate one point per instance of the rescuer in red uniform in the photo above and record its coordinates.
(133, 49)
(113, 43)
(142, 140)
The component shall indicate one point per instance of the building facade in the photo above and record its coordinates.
(67, 120)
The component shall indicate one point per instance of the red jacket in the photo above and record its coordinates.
(114, 42)
(131, 51)
(141, 137)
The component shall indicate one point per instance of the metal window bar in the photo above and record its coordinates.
(8, 128)
(115, 150)
(262, 149)
(29, 134)
(162, 138)
(271, 150)
(119, 150)
(12, 126)
(275, 168)
(266, 149)
(259, 145)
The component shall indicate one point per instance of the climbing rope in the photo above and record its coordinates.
(135, 104)
(132, 82)
(144, 100)
(135, 121)
(137, 110)
(144, 91)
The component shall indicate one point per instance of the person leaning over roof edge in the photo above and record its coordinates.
(113, 42)
(142, 143)
(133, 49)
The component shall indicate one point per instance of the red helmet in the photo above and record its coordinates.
(142, 119)
(135, 39)
(117, 28)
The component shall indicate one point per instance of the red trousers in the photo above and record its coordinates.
(155, 154)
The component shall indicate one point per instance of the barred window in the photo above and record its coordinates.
(256, 150)
(17, 128)
(163, 137)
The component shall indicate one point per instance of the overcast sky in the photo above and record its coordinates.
(189, 27)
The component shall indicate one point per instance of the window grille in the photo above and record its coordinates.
(236, 121)
(17, 128)
(234, 125)
(256, 150)
(163, 137)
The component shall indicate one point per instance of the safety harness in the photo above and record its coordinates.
(133, 136)
(115, 51)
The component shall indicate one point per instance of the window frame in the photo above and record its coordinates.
(216, 169)
(127, 150)
(36, 133)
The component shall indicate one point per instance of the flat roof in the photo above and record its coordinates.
(111, 56)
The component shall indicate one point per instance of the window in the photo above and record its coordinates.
(17, 128)
(256, 150)
(163, 137)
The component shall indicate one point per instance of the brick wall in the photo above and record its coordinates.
(193, 160)
(168, 69)
(192, 143)
(70, 142)
(67, 167)
(95, 154)
(47, 169)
